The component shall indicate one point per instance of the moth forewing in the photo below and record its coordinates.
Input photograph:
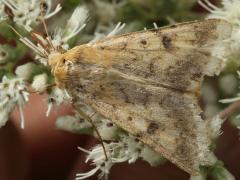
(148, 83)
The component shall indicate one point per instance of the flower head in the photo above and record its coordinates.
(229, 11)
(126, 149)
(28, 13)
(12, 94)
(230, 100)
(114, 31)
(74, 25)
(59, 41)
(2, 14)
(40, 82)
(57, 97)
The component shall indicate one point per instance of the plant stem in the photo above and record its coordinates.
(228, 111)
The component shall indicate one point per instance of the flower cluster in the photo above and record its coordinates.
(57, 97)
(12, 94)
(74, 25)
(126, 149)
(29, 13)
(60, 39)
(230, 100)
(2, 14)
(229, 11)
(121, 148)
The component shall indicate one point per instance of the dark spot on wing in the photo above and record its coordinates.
(152, 128)
(167, 42)
(129, 118)
(143, 41)
(139, 135)
(109, 124)
(102, 88)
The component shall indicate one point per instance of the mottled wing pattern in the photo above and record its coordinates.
(177, 56)
(148, 84)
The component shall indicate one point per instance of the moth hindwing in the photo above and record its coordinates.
(148, 83)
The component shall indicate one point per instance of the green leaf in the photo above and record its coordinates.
(69, 5)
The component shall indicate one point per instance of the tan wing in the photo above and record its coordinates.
(167, 120)
(176, 56)
(147, 83)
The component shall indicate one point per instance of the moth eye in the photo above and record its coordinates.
(67, 62)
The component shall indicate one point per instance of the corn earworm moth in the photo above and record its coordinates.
(148, 83)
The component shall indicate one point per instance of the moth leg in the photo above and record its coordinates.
(85, 116)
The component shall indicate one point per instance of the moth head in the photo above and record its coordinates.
(59, 66)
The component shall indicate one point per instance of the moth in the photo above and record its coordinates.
(148, 83)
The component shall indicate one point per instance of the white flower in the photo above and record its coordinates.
(127, 149)
(12, 94)
(59, 41)
(230, 100)
(28, 12)
(98, 159)
(40, 82)
(73, 26)
(229, 11)
(215, 126)
(25, 71)
(114, 31)
(72, 123)
(228, 83)
(2, 14)
(235, 39)
(107, 130)
(57, 97)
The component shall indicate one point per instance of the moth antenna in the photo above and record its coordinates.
(34, 37)
(95, 128)
(15, 31)
(28, 43)
(45, 26)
